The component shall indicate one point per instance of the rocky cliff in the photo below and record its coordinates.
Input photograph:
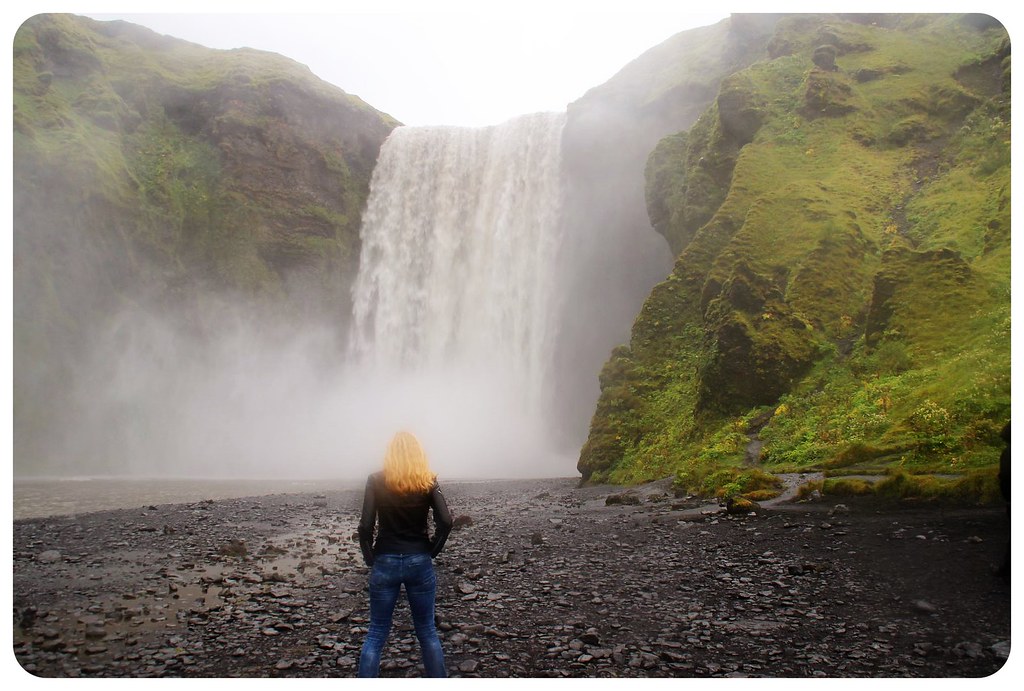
(834, 189)
(840, 216)
(151, 170)
(608, 135)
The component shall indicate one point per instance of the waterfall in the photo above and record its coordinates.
(459, 247)
(451, 337)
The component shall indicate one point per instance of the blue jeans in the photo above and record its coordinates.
(388, 574)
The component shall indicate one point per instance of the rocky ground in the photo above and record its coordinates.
(547, 580)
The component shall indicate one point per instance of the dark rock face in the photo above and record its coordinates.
(608, 136)
(827, 95)
(825, 58)
(751, 370)
(762, 345)
(739, 111)
(788, 257)
(298, 151)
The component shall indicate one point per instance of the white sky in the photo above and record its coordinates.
(436, 62)
(451, 62)
(439, 67)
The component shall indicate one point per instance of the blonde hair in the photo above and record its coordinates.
(405, 466)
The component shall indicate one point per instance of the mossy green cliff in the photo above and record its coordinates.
(609, 133)
(151, 169)
(841, 292)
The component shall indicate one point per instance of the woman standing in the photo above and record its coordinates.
(397, 500)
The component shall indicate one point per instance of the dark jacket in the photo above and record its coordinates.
(401, 521)
(1004, 464)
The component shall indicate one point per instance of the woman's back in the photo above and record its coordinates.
(402, 518)
(397, 502)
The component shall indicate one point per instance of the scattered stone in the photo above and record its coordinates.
(234, 548)
(95, 631)
(694, 596)
(624, 498)
(740, 505)
(28, 617)
(1001, 650)
(461, 521)
(924, 607)
(969, 649)
(50, 556)
(51, 644)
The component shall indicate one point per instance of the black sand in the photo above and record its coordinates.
(548, 580)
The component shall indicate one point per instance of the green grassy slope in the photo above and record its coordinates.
(178, 137)
(151, 169)
(841, 216)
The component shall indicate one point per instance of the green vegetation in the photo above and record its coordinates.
(725, 482)
(149, 168)
(223, 168)
(976, 487)
(842, 273)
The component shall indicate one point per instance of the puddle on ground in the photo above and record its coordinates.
(297, 559)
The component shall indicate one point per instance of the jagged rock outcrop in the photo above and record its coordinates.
(609, 133)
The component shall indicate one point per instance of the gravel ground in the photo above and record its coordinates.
(546, 580)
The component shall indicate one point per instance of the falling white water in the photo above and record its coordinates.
(457, 273)
(459, 242)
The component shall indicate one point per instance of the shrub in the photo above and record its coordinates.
(728, 482)
(854, 454)
(804, 490)
(761, 494)
(931, 425)
(729, 490)
(891, 357)
(980, 487)
(847, 487)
